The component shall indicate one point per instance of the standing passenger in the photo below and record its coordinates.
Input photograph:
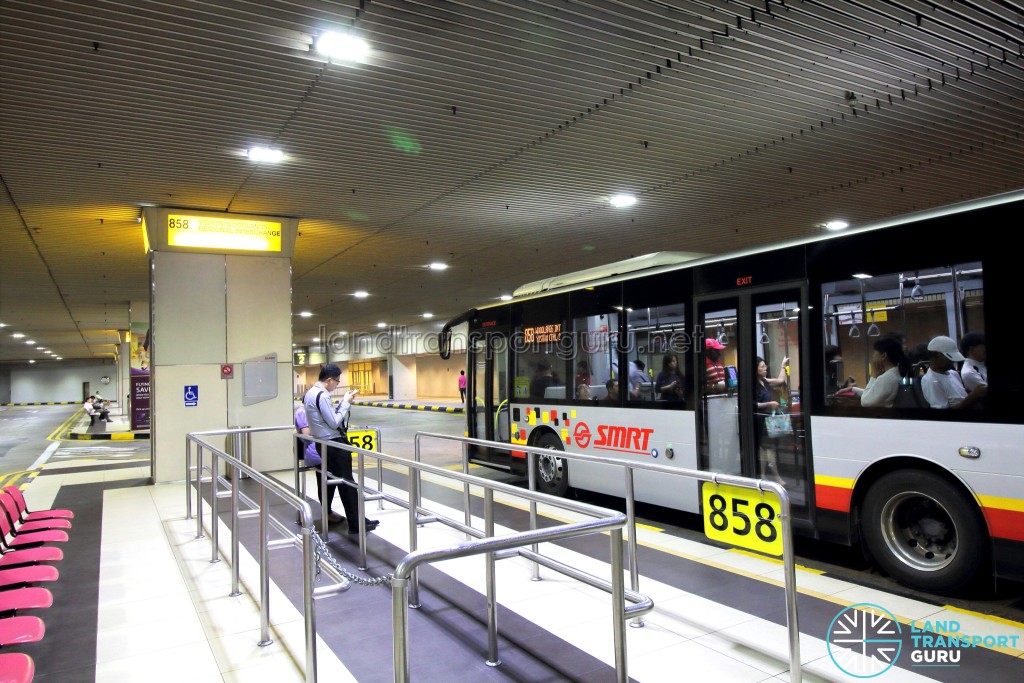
(462, 385)
(714, 369)
(330, 423)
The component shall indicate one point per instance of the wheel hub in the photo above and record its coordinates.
(919, 531)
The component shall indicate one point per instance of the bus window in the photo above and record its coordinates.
(657, 339)
(594, 358)
(912, 307)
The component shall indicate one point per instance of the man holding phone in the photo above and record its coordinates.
(331, 423)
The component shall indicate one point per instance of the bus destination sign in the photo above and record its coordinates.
(542, 334)
(214, 232)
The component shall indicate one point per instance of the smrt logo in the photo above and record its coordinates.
(614, 438)
(581, 434)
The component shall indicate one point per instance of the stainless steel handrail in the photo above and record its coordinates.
(303, 538)
(788, 555)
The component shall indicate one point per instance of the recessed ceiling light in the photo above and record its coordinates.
(621, 201)
(17, 335)
(360, 294)
(437, 265)
(265, 154)
(31, 361)
(428, 316)
(505, 297)
(343, 47)
(836, 225)
(305, 314)
(30, 342)
(3, 324)
(862, 276)
(382, 325)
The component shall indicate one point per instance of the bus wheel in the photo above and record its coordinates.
(552, 472)
(923, 531)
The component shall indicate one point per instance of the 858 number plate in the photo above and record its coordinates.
(742, 517)
(363, 438)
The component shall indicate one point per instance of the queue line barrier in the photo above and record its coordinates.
(628, 469)
(404, 582)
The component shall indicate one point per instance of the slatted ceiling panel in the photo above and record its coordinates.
(741, 104)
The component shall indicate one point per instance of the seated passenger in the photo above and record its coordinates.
(670, 384)
(612, 386)
(887, 364)
(941, 385)
(583, 392)
(973, 373)
(542, 379)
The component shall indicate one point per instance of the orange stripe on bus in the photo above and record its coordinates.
(833, 497)
(518, 454)
(1008, 524)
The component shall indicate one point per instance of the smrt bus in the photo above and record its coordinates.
(933, 490)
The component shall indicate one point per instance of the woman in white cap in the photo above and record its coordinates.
(941, 385)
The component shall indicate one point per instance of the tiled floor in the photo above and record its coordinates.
(164, 613)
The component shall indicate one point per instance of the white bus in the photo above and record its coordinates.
(935, 495)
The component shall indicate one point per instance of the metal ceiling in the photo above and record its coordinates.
(484, 134)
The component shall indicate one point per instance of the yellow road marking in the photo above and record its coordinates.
(64, 427)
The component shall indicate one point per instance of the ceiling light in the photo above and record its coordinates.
(305, 314)
(382, 325)
(3, 324)
(316, 339)
(360, 294)
(621, 201)
(17, 335)
(505, 297)
(837, 225)
(31, 361)
(30, 342)
(437, 265)
(428, 316)
(862, 276)
(343, 47)
(265, 154)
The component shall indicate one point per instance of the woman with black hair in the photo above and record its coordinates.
(888, 364)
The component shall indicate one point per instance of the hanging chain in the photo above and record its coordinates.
(322, 553)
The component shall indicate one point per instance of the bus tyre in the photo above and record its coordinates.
(552, 472)
(924, 531)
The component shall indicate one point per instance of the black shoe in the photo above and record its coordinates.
(371, 524)
(335, 518)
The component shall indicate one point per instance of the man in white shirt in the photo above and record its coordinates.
(973, 372)
(941, 385)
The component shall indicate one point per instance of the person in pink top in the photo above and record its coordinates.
(462, 385)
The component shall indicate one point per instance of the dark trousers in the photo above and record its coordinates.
(462, 393)
(339, 464)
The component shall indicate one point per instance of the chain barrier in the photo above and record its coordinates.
(322, 552)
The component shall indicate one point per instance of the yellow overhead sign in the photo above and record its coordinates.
(215, 232)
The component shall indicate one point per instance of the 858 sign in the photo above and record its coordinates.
(742, 517)
(363, 438)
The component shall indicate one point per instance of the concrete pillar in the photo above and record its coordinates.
(213, 306)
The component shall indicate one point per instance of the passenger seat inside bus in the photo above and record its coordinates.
(909, 394)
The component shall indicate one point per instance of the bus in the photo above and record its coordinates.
(935, 495)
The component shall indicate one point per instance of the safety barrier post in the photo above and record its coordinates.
(214, 513)
(265, 572)
(531, 478)
(199, 492)
(492, 600)
(618, 607)
(634, 572)
(235, 477)
(188, 479)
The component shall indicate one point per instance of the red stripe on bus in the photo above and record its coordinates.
(833, 497)
(518, 454)
(1008, 524)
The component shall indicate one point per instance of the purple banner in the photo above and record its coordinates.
(140, 402)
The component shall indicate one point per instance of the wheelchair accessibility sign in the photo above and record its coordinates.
(191, 395)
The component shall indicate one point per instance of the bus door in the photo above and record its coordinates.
(746, 427)
(487, 396)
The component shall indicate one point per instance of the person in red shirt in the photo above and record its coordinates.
(714, 368)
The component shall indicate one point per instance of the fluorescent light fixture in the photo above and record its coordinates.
(621, 201)
(343, 47)
(506, 297)
(360, 294)
(3, 324)
(30, 342)
(862, 276)
(305, 314)
(428, 316)
(17, 335)
(837, 225)
(316, 339)
(382, 325)
(265, 154)
(31, 361)
(437, 265)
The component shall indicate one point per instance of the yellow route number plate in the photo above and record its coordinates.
(742, 517)
(363, 438)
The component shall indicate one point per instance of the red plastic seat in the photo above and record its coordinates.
(29, 516)
(10, 508)
(19, 576)
(16, 630)
(43, 553)
(10, 538)
(16, 667)
(25, 598)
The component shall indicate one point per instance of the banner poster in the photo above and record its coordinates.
(139, 364)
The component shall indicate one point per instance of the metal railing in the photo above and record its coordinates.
(405, 584)
(227, 487)
(788, 555)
